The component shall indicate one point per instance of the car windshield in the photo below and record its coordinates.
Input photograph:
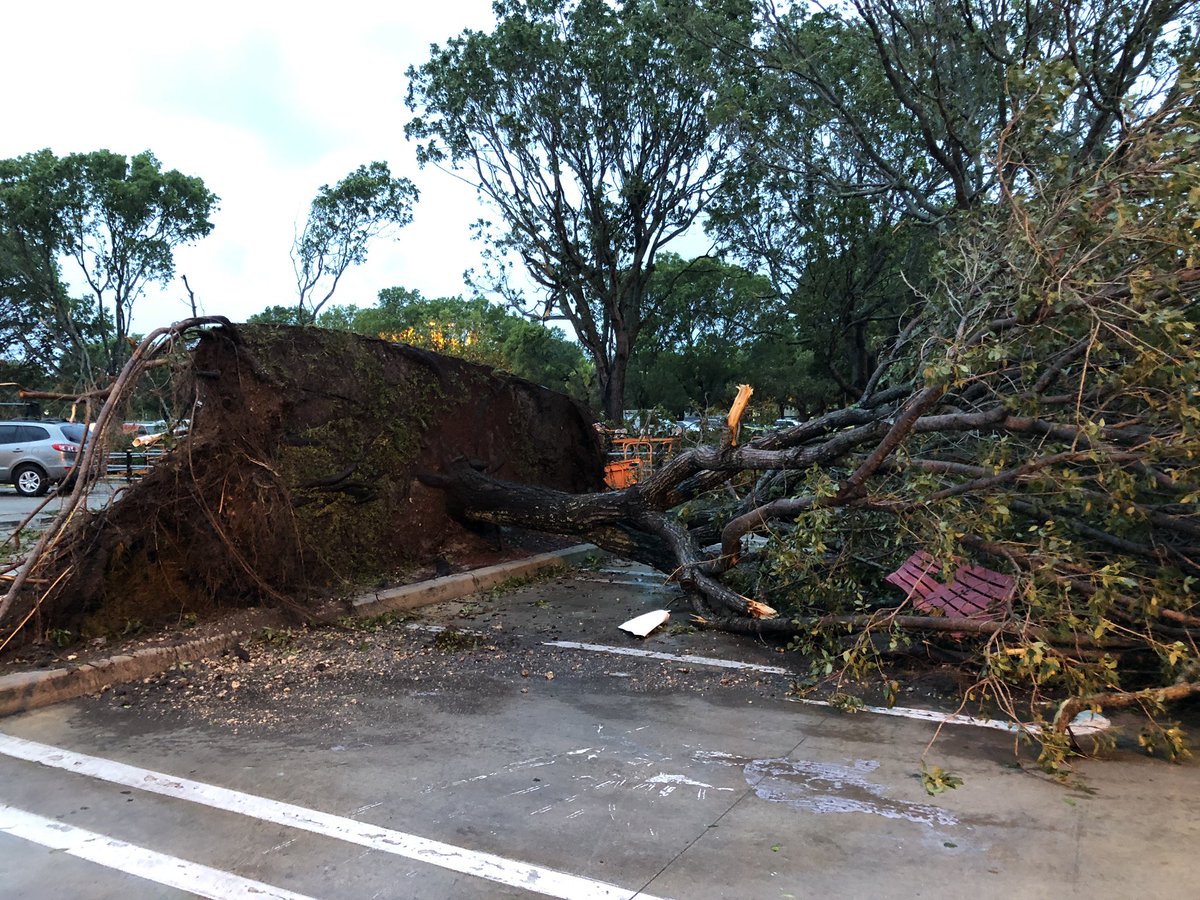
(73, 432)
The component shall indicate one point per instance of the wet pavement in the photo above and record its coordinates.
(14, 508)
(512, 746)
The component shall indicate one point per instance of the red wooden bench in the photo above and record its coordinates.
(972, 593)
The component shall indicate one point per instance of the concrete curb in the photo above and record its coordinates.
(451, 587)
(23, 691)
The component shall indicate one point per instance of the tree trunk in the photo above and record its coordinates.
(612, 398)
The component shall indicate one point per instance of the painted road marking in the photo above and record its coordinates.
(928, 715)
(669, 657)
(617, 582)
(134, 860)
(538, 879)
(1085, 723)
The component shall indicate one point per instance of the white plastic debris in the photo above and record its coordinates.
(644, 624)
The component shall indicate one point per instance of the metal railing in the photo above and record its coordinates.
(129, 465)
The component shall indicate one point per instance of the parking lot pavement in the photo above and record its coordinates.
(516, 754)
(14, 508)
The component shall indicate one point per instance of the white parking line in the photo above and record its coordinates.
(538, 879)
(927, 715)
(134, 860)
(670, 657)
(1084, 724)
(624, 582)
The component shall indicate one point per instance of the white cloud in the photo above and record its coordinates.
(265, 103)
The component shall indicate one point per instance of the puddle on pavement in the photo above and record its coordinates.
(826, 788)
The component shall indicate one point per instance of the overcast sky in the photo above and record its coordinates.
(266, 103)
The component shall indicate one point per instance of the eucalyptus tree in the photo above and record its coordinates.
(42, 328)
(866, 128)
(842, 247)
(716, 325)
(950, 75)
(342, 221)
(122, 218)
(585, 126)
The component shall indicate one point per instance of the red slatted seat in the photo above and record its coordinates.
(972, 593)
(915, 576)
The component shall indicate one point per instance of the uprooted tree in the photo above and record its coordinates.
(1039, 414)
(298, 475)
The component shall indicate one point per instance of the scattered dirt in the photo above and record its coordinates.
(310, 681)
(47, 653)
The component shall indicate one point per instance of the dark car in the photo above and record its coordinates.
(37, 454)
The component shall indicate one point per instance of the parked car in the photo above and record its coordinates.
(37, 454)
(693, 430)
(693, 425)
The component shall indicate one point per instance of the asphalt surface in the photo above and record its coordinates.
(14, 508)
(480, 750)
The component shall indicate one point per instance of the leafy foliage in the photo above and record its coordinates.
(119, 219)
(702, 339)
(585, 126)
(861, 128)
(937, 780)
(43, 330)
(1063, 325)
(342, 221)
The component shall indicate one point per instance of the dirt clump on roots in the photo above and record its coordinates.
(300, 478)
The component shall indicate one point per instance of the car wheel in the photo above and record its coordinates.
(30, 481)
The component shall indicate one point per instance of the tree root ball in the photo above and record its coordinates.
(302, 474)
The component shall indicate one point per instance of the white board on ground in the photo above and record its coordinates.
(644, 624)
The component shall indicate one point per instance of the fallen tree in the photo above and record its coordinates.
(1040, 413)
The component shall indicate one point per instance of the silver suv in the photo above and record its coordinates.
(35, 455)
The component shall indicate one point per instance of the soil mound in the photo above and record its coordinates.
(301, 474)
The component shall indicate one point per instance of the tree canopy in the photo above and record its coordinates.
(119, 219)
(717, 325)
(42, 328)
(917, 94)
(342, 221)
(586, 128)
